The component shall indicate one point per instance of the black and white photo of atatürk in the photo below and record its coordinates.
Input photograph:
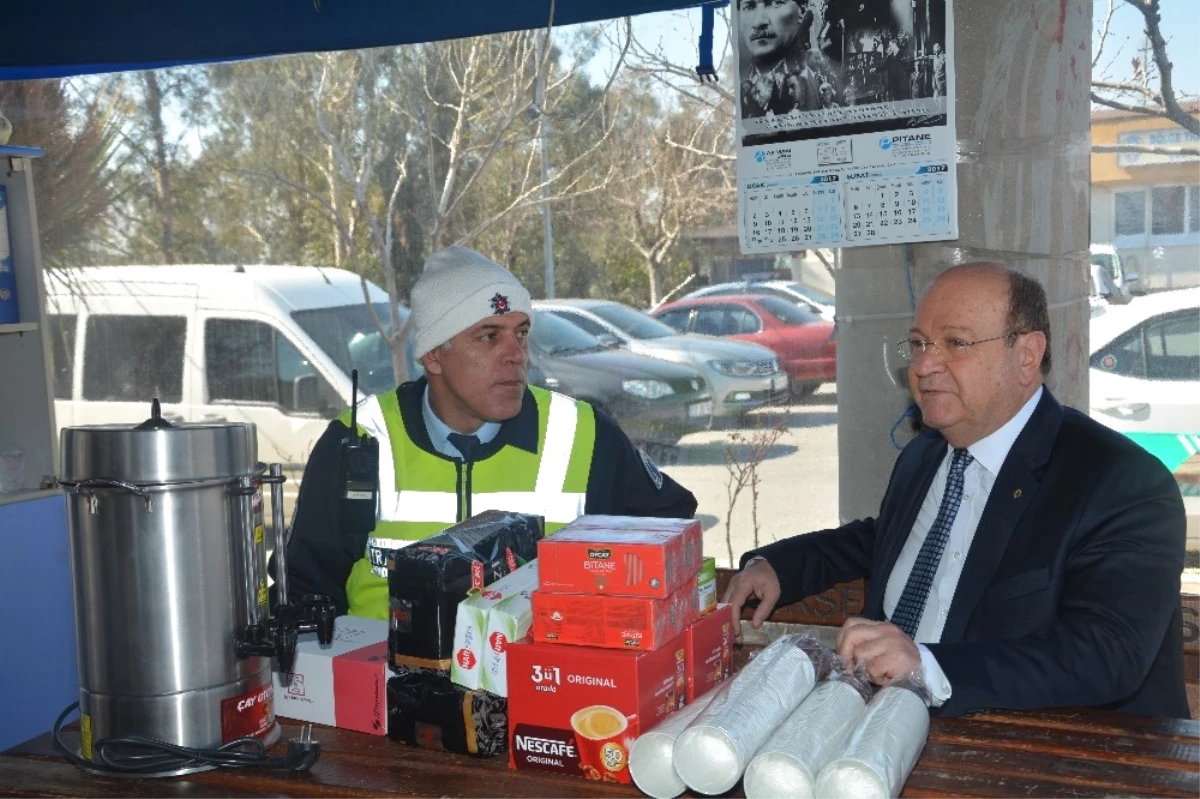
(818, 68)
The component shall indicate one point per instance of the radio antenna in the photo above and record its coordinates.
(354, 403)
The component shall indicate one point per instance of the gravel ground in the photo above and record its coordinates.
(798, 489)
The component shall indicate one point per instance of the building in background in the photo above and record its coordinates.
(718, 259)
(1148, 205)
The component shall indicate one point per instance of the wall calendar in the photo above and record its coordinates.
(846, 123)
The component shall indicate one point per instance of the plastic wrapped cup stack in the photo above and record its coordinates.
(882, 749)
(651, 761)
(814, 734)
(711, 754)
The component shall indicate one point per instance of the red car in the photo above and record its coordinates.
(805, 343)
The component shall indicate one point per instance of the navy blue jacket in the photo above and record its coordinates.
(621, 483)
(1070, 592)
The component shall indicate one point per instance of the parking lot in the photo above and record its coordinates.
(798, 489)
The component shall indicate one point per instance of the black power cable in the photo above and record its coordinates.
(133, 755)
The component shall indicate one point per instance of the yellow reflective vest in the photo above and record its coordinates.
(422, 493)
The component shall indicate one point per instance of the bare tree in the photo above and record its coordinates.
(483, 122)
(440, 121)
(77, 126)
(673, 182)
(746, 450)
(1150, 91)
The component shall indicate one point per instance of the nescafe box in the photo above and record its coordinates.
(614, 622)
(621, 555)
(576, 710)
(709, 651)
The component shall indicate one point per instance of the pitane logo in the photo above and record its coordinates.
(599, 554)
(760, 156)
(885, 143)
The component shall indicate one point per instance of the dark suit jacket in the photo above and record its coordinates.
(1070, 592)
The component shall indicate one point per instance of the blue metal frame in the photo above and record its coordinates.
(56, 38)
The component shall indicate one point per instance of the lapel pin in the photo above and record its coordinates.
(1017, 494)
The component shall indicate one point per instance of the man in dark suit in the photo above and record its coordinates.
(1024, 555)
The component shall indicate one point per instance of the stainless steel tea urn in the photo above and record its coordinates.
(169, 574)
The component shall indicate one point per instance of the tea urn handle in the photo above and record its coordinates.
(89, 489)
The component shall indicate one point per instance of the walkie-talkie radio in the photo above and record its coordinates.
(359, 473)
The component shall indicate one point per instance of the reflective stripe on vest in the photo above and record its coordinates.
(406, 515)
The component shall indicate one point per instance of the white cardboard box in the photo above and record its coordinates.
(509, 621)
(342, 685)
(473, 643)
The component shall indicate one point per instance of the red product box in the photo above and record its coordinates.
(621, 555)
(709, 651)
(577, 710)
(613, 622)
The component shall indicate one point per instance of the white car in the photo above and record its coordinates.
(1145, 364)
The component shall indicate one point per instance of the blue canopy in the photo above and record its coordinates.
(55, 38)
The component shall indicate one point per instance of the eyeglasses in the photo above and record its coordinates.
(951, 348)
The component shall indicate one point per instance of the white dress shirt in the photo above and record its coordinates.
(988, 454)
(439, 430)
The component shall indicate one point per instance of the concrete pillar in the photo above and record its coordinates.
(1022, 79)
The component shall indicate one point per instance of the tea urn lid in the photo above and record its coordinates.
(157, 451)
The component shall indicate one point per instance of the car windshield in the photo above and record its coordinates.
(787, 312)
(1105, 262)
(554, 336)
(634, 323)
(351, 339)
(816, 295)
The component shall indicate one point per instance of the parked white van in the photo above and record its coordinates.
(272, 345)
(1110, 282)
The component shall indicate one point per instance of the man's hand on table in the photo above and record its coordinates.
(759, 580)
(884, 649)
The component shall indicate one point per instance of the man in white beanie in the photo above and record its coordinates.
(469, 436)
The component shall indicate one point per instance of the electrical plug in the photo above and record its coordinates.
(302, 752)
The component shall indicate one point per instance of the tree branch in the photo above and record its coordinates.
(1133, 109)
(1171, 109)
(1103, 35)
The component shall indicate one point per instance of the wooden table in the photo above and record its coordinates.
(1056, 753)
(1049, 753)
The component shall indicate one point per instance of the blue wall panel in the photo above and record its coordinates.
(38, 669)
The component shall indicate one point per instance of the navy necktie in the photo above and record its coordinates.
(464, 443)
(908, 612)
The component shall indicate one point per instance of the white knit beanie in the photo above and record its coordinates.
(458, 289)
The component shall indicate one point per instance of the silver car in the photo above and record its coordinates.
(743, 376)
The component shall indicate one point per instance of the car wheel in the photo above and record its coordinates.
(802, 390)
(661, 454)
(668, 455)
